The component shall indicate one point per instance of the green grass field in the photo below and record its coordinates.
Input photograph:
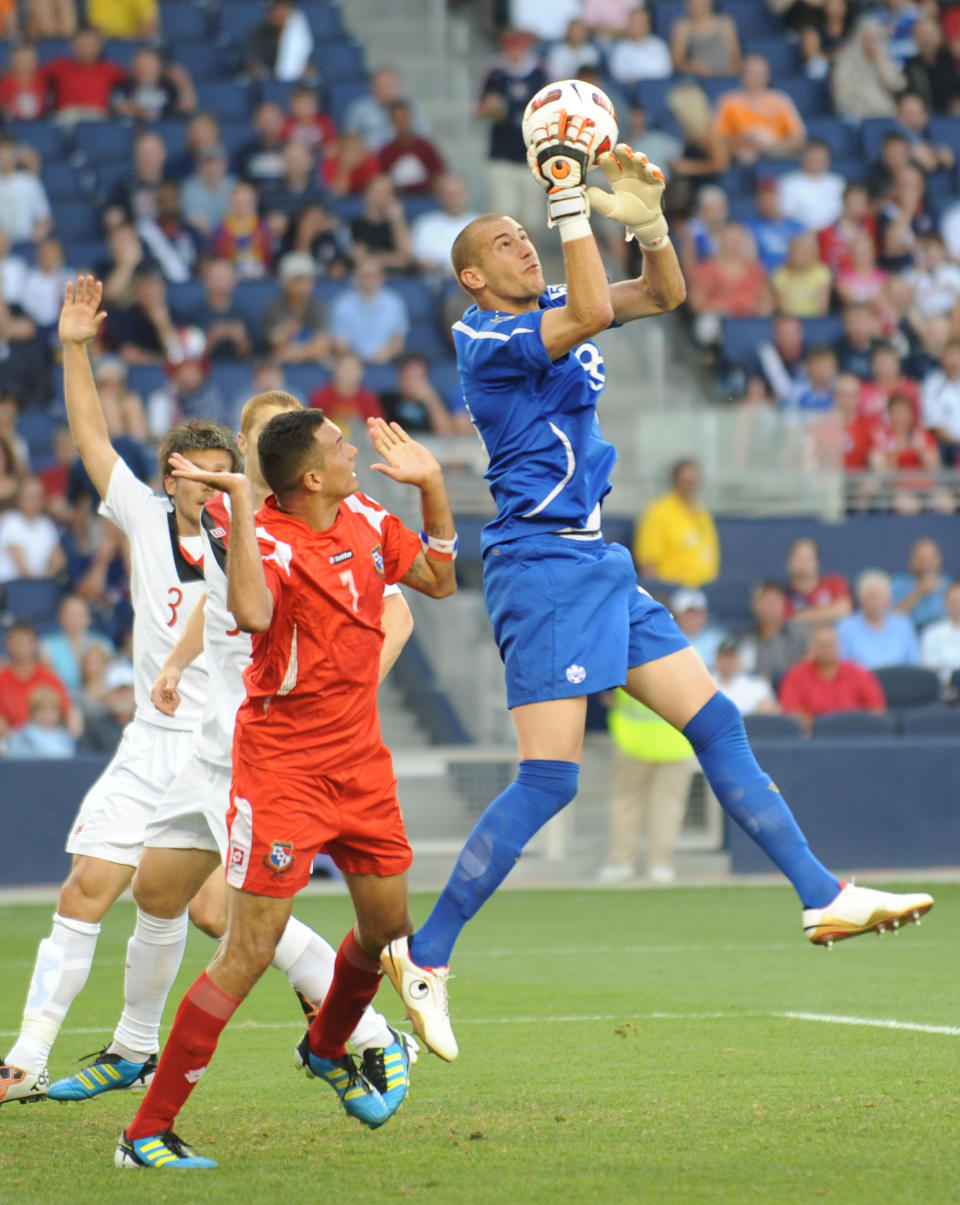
(657, 1046)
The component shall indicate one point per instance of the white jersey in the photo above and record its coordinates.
(227, 650)
(166, 582)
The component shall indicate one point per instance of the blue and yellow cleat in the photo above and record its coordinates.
(388, 1069)
(360, 1099)
(163, 1150)
(106, 1072)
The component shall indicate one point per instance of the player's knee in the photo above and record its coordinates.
(374, 934)
(209, 919)
(153, 896)
(85, 895)
(718, 722)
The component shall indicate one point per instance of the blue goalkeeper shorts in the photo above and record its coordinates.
(569, 618)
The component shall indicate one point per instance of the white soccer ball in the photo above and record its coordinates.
(574, 97)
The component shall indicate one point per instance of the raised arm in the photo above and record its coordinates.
(80, 320)
(164, 694)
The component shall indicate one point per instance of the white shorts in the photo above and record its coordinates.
(115, 812)
(193, 812)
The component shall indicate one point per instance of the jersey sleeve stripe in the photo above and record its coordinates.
(472, 334)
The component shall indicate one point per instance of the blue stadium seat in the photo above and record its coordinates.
(841, 725)
(729, 601)
(74, 222)
(235, 135)
(145, 378)
(61, 181)
(35, 599)
(715, 87)
(872, 130)
(325, 19)
(100, 140)
(752, 16)
(414, 206)
(446, 379)
(108, 174)
(36, 427)
(233, 378)
(184, 299)
(742, 336)
(238, 17)
(49, 49)
(252, 298)
(841, 138)
(908, 686)
(779, 53)
(381, 378)
(853, 168)
(936, 720)
(820, 331)
(121, 51)
(327, 289)
(229, 100)
(664, 13)
(85, 254)
(811, 96)
(277, 90)
(346, 208)
(173, 131)
(651, 95)
(421, 299)
(426, 340)
(41, 135)
(185, 21)
(306, 378)
(341, 95)
(773, 728)
(340, 60)
(945, 129)
(202, 62)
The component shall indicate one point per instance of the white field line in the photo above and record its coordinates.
(951, 1031)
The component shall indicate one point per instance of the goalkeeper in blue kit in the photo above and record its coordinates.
(568, 615)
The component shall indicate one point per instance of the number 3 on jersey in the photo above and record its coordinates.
(175, 595)
(348, 580)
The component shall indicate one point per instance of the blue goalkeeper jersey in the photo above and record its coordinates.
(549, 464)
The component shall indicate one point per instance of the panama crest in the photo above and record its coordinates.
(377, 554)
(280, 857)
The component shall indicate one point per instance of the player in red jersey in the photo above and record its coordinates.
(307, 777)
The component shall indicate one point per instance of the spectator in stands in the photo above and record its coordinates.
(705, 153)
(29, 540)
(24, 373)
(935, 279)
(11, 474)
(412, 162)
(108, 703)
(24, 207)
(432, 233)
(127, 257)
(83, 84)
(886, 378)
(862, 281)
(55, 476)
(901, 444)
(752, 693)
(894, 154)
(815, 395)
(154, 90)
(866, 80)
(124, 18)
(546, 22)
(349, 166)
(875, 636)
(418, 406)
(836, 241)
(639, 54)
(781, 359)
(64, 649)
(261, 160)
(369, 116)
(170, 240)
(135, 197)
(282, 201)
(281, 45)
(940, 403)
(381, 232)
(940, 640)
(122, 406)
(705, 43)
(772, 231)
(144, 331)
(814, 59)
(772, 644)
(45, 734)
(856, 429)
(268, 375)
(370, 318)
(823, 683)
(189, 392)
(44, 284)
(813, 194)
(206, 194)
(306, 123)
(802, 284)
(13, 272)
(294, 325)
(51, 18)
(731, 285)
(22, 675)
(691, 611)
(913, 121)
(896, 18)
(932, 72)
(921, 593)
(950, 229)
(23, 89)
(345, 399)
(564, 59)
(813, 597)
(860, 338)
(701, 237)
(676, 540)
(218, 314)
(660, 147)
(607, 18)
(322, 236)
(509, 83)
(759, 122)
(758, 427)
(243, 237)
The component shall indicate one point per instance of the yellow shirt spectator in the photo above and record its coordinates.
(676, 540)
(123, 18)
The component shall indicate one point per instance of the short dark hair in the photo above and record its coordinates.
(198, 435)
(685, 462)
(22, 625)
(286, 448)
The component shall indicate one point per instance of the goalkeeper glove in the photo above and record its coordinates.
(558, 157)
(636, 198)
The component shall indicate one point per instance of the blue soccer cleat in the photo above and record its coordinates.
(360, 1099)
(388, 1069)
(106, 1072)
(163, 1150)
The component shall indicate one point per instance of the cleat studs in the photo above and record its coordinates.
(828, 944)
(880, 930)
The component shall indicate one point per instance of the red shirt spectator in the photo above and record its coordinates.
(23, 89)
(345, 400)
(812, 597)
(411, 162)
(733, 283)
(84, 81)
(23, 675)
(349, 167)
(306, 124)
(823, 683)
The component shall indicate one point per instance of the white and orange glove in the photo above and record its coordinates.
(559, 157)
(637, 197)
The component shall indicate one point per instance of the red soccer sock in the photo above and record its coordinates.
(356, 977)
(201, 1018)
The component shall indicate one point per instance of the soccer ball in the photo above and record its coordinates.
(574, 97)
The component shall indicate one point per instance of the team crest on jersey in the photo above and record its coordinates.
(377, 554)
(280, 857)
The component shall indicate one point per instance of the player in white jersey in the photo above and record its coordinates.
(166, 572)
(186, 838)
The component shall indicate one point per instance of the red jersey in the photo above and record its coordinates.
(317, 134)
(851, 689)
(15, 693)
(89, 85)
(827, 590)
(23, 100)
(311, 685)
(858, 438)
(364, 403)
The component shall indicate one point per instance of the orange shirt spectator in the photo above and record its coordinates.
(758, 120)
(733, 284)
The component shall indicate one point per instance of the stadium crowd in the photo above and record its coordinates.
(264, 214)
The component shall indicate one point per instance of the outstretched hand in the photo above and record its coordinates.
(637, 195)
(81, 316)
(407, 460)
(227, 482)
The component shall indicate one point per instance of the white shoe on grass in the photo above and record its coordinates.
(859, 910)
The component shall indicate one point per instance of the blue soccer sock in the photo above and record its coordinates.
(750, 797)
(539, 791)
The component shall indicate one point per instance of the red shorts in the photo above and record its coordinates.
(279, 822)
